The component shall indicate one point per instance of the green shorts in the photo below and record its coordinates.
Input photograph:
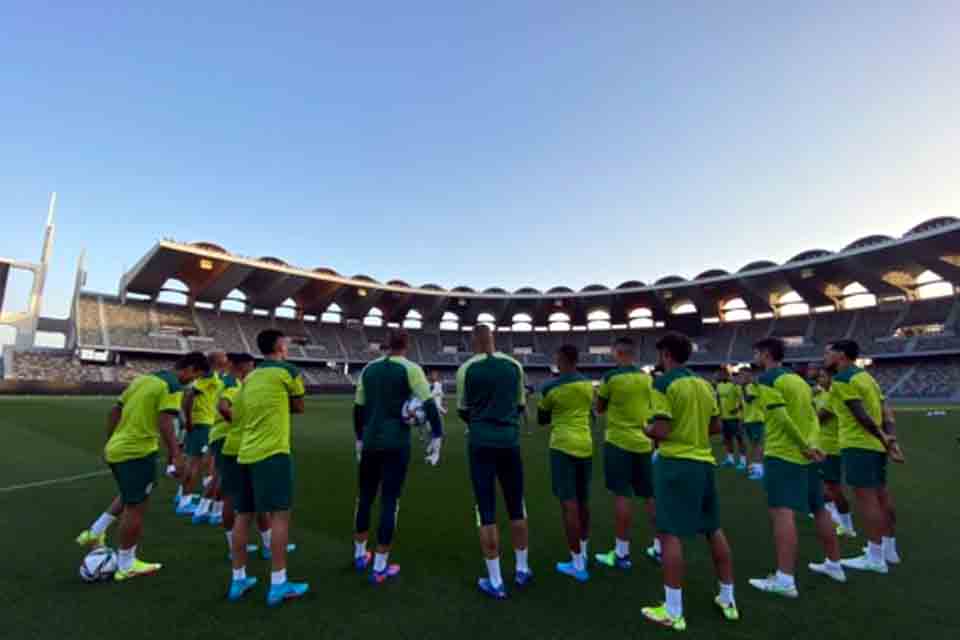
(792, 486)
(571, 476)
(266, 486)
(216, 447)
(686, 497)
(135, 478)
(229, 471)
(195, 444)
(731, 429)
(831, 469)
(754, 431)
(865, 469)
(627, 473)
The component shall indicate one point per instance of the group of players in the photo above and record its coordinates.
(657, 447)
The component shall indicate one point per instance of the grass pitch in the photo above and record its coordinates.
(436, 544)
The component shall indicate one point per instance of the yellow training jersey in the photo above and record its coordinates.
(569, 400)
(267, 392)
(141, 403)
(688, 401)
(628, 391)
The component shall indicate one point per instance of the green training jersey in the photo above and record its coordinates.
(267, 392)
(823, 400)
(490, 391)
(206, 394)
(141, 403)
(220, 425)
(384, 387)
(233, 429)
(856, 384)
(627, 392)
(569, 400)
(731, 398)
(752, 411)
(689, 403)
(791, 422)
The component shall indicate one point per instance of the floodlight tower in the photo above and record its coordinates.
(25, 322)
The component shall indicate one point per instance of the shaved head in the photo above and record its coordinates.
(482, 339)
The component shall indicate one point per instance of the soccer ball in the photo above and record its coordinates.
(413, 413)
(99, 565)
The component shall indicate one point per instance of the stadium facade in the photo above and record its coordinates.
(338, 322)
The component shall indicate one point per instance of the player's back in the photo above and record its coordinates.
(385, 385)
(141, 404)
(856, 384)
(689, 402)
(490, 389)
(788, 404)
(206, 390)
(569, 399)
(267, 391)
(627, 392)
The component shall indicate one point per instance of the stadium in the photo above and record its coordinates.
(896, 296)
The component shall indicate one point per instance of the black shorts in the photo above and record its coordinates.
(383, 471)
(488, 465)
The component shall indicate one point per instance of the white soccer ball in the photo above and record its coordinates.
(99, 565)
(413, 413)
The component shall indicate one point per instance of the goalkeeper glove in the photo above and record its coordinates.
(433, 452)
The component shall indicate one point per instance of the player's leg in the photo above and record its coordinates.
(889, 538)
(563, 473)
(741, 448)
(194, 444)
(709, 523)
(136, 479)
(865, 472)
(786, 487)
(96, 534)
(509, 472)
(617, 481)
(369, 476)
(482, 463)
(728, 433)
(273, 494)
(243, 508)
(826, 528)
(395, 465)
(205, 510)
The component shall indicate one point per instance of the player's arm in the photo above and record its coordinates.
(462, 410)
(417, 380)
(188, 398)
(358, 421)
(296, 390)
(777, 415)
(297, 405)
(716, 426)
(113, 418)
(225, 407)
(660, 428)
(169, 437)
(863, 418)
(603, 398)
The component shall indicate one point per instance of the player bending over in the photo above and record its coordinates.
(565, 406)
(792, 479)
(270, 394)
(625, 396)
(383, 444)
(832, 466)
(200, 409)
(685, 414)
(868, 438)
(145, 409)
(490, 399)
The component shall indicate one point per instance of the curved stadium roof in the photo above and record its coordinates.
(211, 273)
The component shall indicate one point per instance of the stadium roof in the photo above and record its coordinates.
(885, 266)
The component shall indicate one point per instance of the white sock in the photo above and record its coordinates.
(846, 520)
(743, 460)
(229, 535)
(204, 507)
(622, 548)
(380, 561)
(240, 574)
(729, 457)
(493, 571)
(179, 491)
(674, 601)
(831, 507)
(759, 467)
(185, 501)
(583, 547)
(578, 561)
(522, 565)
(278, 577)
(218, 508)
(656, 546)
(266, 537)
(785, 580)
(726, 593)
(889, 545)
(875, 552)
(359, 549)
(100, 525)
(125, 558)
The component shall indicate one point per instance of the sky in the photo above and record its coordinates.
(484, 144)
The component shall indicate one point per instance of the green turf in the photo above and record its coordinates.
(42, 597)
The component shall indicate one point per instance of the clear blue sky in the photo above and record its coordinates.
(495, 143)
